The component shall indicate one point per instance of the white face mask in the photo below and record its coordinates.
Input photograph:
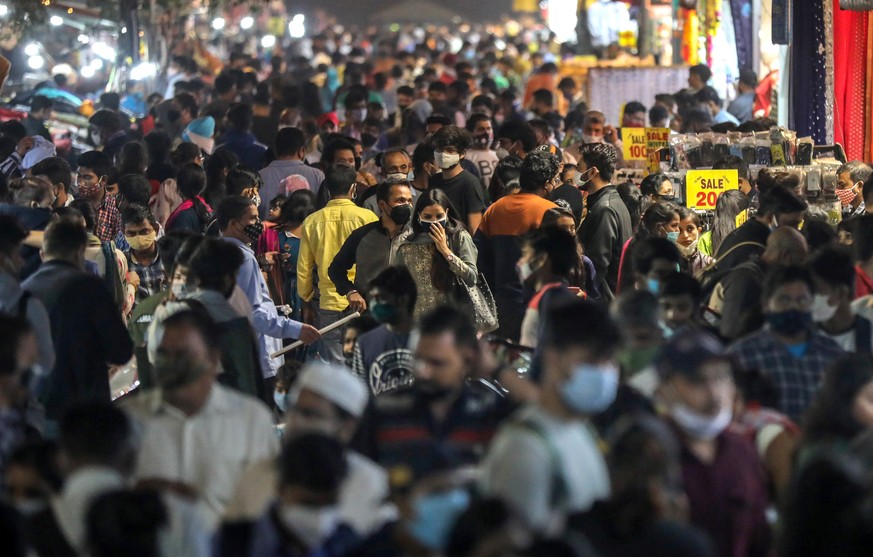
(312, 525)
(179, 290)
(502, 153)
(592, 138)
(446, 161)
(397, 176)
(700, 426)
(689, 250)
(821, 310)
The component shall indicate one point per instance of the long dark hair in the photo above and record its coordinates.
(830, 415)
(658, 214)
(440, 273)
(191, 181)
(133, 159)
(299, 205)
(217, 166)
(730, 204)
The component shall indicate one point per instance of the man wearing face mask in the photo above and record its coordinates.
(607, 225)
(481, 154)
(395, 164)
(545, 463)
(463, 188)
(721, 471)
(442, 410)
(508, 219)
(197, 434)
(734, 304)
(304, 518)
(382, 357)
(832, 310)
(373, 247)
(239, 223)
(356, 113)
(92, 177)
(322, 235)
(850, 183)
(788, 349)
(140, 231)
(327, 400)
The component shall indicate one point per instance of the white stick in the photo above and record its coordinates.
(327, 329)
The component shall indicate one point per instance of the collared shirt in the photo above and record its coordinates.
(151, 276)
(270, 327)
(277, 171)
(322, 235)
(797, 379)
(406, 433)
(370, 251)
(80, 489)
(208, 451)
(108, 219)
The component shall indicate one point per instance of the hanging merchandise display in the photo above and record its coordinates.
(851, 94)
(741, 12)
(857, 5)
(710, 24)
(809, 68)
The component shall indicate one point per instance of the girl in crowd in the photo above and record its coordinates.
(657, 187)
(730, 204)
(194, 213)
(438, 254)
(661, 220)
(690, 228)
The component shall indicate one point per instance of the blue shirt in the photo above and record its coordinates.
(725, 116)
(246, 147)
(269, 326)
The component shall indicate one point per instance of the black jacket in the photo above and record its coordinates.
(603, 233)
(750, 231)
(742, 312)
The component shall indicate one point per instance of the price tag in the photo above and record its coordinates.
(634, 144)
(702, 187)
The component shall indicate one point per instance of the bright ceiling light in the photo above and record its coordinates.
(36, 62)
(143, 70)
(56, 21)
(96, 64)
(31, 49)
(269, 41)
(4, 9)
(247, 22)
(84, 39)
(296, 28)
(88, 72)
(103, 50)
(218, 23)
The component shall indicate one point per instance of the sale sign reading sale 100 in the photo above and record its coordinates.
(633, 142)
(702, 187)
(656, 139)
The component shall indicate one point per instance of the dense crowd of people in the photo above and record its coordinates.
(502, 352)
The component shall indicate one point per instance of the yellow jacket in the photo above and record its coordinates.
(322, 235)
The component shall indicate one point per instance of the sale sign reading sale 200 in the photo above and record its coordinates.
(702, 187)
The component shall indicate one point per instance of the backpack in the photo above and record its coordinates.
(112, 279)
(712, 290)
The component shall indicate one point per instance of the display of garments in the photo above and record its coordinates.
(606, 19)
(808, 68)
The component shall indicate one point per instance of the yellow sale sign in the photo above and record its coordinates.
(634, 144)
(656, 139)
(702, 187)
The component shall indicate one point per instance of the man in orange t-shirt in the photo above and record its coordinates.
(503, 224)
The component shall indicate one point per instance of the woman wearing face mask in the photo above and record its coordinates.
(657, 187)
(438, 254)
(294, 211)
(693, 262)
(661, 220)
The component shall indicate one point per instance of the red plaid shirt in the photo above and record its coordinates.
(108, 219)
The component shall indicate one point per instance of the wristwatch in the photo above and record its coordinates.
(350, 293)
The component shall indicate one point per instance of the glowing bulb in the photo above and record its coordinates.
(96, 64)
(142, 71)
(88, 72)
(296, 28)
(32, 49)
(247, 22)
(269, 41)
(218, 23)
(4, 9)
(56, 21)
(35, 62)
(84, 39)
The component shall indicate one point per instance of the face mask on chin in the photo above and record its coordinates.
(700, 426)
(311, 525)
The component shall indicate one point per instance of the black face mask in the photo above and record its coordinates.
(401, 214)
(432, 391)
(368, 140)
(358, 162)
(173, 115)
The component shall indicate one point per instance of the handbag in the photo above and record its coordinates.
(482, 302)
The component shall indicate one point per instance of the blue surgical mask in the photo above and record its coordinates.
(591, 388)
(653, 285)
(281, 400)
(435, 514)
(673, 236)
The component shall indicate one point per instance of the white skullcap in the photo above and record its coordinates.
(335, 383)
